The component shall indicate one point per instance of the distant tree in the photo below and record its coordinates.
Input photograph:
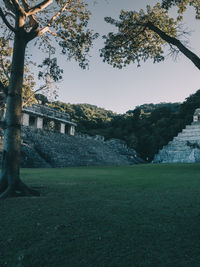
(41, 99)
(188, 107)
(23, 21)
(88, 117)
(143, 35)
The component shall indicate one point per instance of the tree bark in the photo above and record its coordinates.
(10, 183)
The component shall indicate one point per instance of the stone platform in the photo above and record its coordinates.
(43, 149)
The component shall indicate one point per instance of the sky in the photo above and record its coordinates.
(123, 90)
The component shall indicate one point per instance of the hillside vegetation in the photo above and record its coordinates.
(146, 128)
(88, 117)
(143, 215)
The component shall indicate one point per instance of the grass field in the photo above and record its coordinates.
(142, 215)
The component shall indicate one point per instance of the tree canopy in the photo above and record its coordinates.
(63, 21)
(144, 34)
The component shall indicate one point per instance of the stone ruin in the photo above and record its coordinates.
(50, 149)
(185, 147)
(43, 117)
(49, 139)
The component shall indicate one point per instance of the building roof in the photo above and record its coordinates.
(47, 112)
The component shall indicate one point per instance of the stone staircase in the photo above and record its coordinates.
(47, 149)
(184, 148)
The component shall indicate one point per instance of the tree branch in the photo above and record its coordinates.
(46, 28)
(172, 40)
(39, 7)
(25, 5)
(2, 15)
(32, 19)
(53, 33)
(37, 32)
(26, 102)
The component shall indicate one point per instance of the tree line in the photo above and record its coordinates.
(147, 128)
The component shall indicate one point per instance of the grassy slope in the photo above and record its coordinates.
(144, 215)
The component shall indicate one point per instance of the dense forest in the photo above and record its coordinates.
(146, 128)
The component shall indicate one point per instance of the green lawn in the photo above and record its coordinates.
(142, 215)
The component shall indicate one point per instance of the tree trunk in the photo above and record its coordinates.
(10, 183)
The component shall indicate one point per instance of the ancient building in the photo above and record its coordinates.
(185, 147)
(43, 117)
(41, 149)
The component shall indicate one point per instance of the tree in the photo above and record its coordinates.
(60, 23)
(143, 35)
(182, 6)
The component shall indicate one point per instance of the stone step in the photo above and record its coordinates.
(175, 152)
(178, 149)
(173, 159)
(193, 126)
(189, 131)
(59, 150)
(187, 138)
(195, 123)
(189, 135)
(173, 143)
(177, 143)
(195, 130)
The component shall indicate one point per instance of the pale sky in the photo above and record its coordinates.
(122, 90)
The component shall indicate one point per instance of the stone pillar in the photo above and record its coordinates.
(72, 130)
(62, 128)
(39, 123)
(25, 119)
